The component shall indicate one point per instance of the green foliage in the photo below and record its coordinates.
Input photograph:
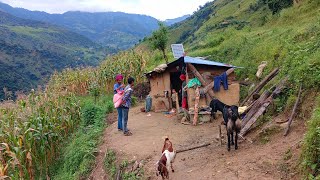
(277, 5)
(112, 29)
(90, 113)
(159, 40)
(31, 51)
(94, 90)
(310, 155)
(110, 162)
(130, 176)
(285, 99)
(78, 157)
(134, 100)
(32, 131)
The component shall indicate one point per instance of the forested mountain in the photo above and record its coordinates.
(30, 51)
(115, 29)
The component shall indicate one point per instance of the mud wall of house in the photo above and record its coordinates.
(230, 96)
(160, 82)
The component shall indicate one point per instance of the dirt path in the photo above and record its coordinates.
(275, 159)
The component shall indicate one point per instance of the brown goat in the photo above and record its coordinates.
(166, 160)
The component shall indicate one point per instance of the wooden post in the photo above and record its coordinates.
(201, 79)
(196, 106)
(220, 135)
(261, 85)
(177, 104)
(196, 147)
(293, 111)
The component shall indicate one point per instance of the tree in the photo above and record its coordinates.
(159, 39)
(277, 5)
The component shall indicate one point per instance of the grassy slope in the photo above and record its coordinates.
(235, 32)
(77, 156)
(30, 51)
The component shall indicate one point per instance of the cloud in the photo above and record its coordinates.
(160, 9)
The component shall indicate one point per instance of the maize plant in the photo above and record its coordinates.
(33, 128)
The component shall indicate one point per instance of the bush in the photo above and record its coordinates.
(90, 114)
(134, 100)
(310, 155)
(277, 5)
(78, 158)
(110, 163)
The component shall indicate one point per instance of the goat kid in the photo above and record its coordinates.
(166, 160)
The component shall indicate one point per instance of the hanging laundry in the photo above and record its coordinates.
(194, 82)
(223, 78)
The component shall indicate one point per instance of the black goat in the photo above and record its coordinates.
(215, 106)
(231, 119)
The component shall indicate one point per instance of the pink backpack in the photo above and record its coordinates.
(117, 99)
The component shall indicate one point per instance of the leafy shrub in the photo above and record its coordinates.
(90, 114)
(78, 154)
(110, 162)
(310, 155)
(277, 5)
(134, 100)
(94, 90)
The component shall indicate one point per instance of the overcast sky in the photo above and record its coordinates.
(160, 9)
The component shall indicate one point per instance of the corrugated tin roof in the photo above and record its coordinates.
(188, 59)
(195, 60)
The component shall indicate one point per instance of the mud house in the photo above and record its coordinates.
(164, 79)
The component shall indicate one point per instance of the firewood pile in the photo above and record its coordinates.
(257, 106)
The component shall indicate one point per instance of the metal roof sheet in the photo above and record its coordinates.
(188, 59)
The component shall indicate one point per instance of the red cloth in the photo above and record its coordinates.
(184, 103)
(119, 77)
(182, 77)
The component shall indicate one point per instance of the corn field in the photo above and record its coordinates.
(33, 128)
(128, 63)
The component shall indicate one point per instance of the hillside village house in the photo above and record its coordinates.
(163, 82)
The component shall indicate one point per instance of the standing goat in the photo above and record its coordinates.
(233, 124)
(231, 119)
(166, 160)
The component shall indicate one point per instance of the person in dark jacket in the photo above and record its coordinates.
(126, 105)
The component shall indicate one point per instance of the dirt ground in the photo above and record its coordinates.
(269, 155)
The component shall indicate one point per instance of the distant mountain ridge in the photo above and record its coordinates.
(30, 51)
(170, 22)
(114, 29)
